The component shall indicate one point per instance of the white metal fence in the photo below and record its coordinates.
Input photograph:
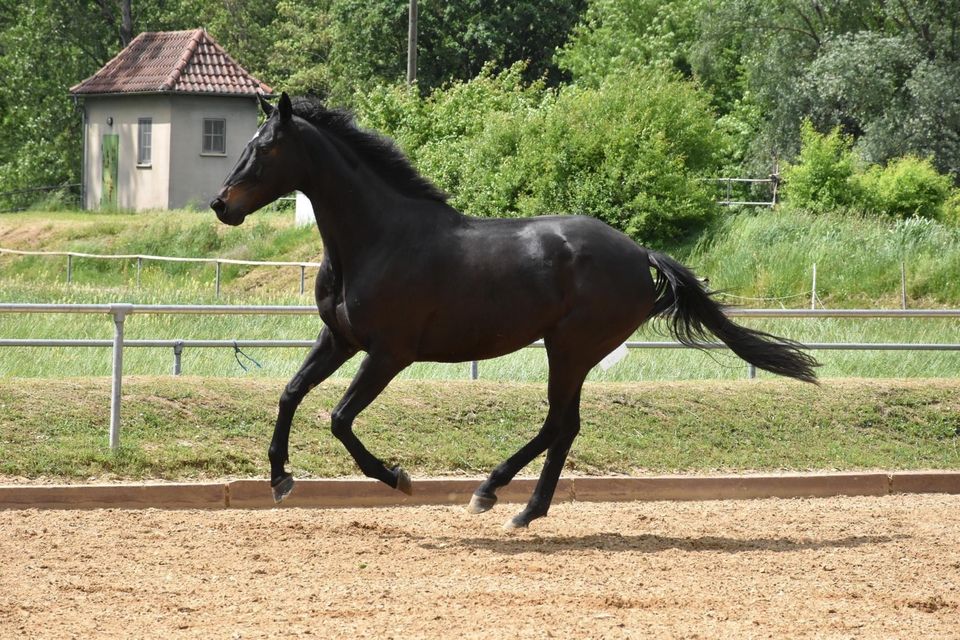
(119, 313)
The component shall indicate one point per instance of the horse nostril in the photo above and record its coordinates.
(218, 205)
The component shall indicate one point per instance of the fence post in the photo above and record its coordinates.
(903, 285)
(751, 370)
(218, 278)
(69, 268)
(813, 292)
(474, 370)
(303, 276)
(177, 352)
(119, 313)
(139, 267)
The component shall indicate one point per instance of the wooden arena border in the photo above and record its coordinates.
(339, 493)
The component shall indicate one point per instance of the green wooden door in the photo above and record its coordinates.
(109, 149)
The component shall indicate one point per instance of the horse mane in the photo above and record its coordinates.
(375, 149)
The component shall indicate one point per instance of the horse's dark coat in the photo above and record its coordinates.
(405, 278)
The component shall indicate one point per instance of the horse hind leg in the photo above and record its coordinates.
(485, 497)
(542, 496)
(563, 391)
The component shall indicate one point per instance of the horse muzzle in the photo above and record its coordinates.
(219, 206)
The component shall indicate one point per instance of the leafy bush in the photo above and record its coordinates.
(951, 208)
(628, 152)
(820, 180)
(906, 187)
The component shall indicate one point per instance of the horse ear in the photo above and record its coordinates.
(266, 106)
(285, 107)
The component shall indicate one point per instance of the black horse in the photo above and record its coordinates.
(405, 278)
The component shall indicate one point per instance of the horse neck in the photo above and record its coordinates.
(355, 208)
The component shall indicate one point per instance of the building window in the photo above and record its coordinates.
(214, 136)
(144, 141)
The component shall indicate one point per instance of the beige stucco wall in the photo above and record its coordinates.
(194, 177)
(138, 188)
(179, 174)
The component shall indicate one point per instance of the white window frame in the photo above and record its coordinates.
(144, 142)
(209, 137)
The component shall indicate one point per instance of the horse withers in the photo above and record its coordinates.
(405, 277)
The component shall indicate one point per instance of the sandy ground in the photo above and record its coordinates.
(824, 568)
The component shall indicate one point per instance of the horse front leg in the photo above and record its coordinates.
(326, 356)
(375, 373)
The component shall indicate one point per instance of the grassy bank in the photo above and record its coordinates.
(761, 258)
(771, 255)
(192, 428)
(753, 255)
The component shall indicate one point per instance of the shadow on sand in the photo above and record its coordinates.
(650, 543)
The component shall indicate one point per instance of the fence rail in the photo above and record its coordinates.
(119, 313)
(140, 258)
(728, 200)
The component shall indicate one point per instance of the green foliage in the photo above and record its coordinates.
(340, 48)
(826, 178)
(820, 180)
(45, 47)
(886, 73)
(951, 208)
(906, 187)
(618, 35)
(628, 152)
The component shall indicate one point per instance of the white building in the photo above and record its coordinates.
(164, 122)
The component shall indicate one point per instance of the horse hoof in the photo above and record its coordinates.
(479, 504)
(404, 483)
(283, 488)
(514, 523)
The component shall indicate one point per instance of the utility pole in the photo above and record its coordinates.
(412, 44)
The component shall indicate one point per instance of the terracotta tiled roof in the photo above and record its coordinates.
(172, 62)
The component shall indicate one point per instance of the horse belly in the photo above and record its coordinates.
(486, 325)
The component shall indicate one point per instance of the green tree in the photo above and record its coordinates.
(620, 35)
(341, 48)
(886, 72)
(45, 47)
(905, 188)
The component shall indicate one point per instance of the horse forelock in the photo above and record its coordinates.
(378, 151)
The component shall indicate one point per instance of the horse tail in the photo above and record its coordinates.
(691, 313)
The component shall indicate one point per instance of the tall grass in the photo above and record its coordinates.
(771, 255)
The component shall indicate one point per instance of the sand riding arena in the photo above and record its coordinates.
(847, 567)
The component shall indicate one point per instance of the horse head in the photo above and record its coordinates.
(268, 168)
